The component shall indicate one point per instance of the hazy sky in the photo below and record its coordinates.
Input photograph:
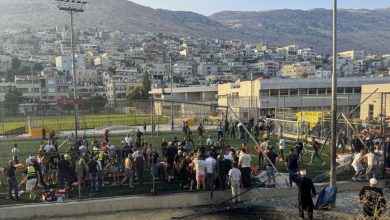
(208, 7)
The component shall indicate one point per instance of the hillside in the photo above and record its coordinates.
(358, 29)
(364, 29)
(114, 14)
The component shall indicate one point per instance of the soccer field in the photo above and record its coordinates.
(19, 125)
(31, 146)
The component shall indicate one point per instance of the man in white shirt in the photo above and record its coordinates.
(15, 153)
(282, 146)
(370, 159)
(128, 139)
(235, 182)
(201, 170)
(244, 162)
(357, 165)
(49, 147)
(211, 165)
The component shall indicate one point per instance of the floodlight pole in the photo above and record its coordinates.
(74, 77)
(171, 76)
(332, 179)
(73, 6)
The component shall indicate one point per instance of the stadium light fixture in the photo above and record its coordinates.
(72, 7)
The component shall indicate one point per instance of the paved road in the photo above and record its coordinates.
(347, 207)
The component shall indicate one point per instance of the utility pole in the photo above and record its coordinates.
(332, 180)
(73, 7)
(32, 82)
(170, 75)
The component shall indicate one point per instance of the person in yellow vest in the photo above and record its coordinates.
(95, 151)
(31, 175)
(67, 156)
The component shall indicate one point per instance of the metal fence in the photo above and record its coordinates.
(30, 118)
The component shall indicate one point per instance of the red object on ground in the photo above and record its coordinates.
(63, 102)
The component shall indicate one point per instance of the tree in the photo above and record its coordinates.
(146, 85)
(141, 93)
(178, 79)
(15, 63)
(96, 103)
(136, 94)
(12, 100)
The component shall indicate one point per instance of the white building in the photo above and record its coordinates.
(194, 94)
(64, 63)
(182, 69)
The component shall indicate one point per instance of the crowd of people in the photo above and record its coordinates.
(207, 164)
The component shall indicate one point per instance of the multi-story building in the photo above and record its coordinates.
(182, 69)
(29, 86)
(119, 84)
(269, 67)
(5, 87)
(64, 63)
(298, 70)
(288, 53)
(352, 54)
(260, 97)
(207, 69)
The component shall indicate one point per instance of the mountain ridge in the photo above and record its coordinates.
(358, 28)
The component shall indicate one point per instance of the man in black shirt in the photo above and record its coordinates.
(292, 165)
(64, 172)
(93, 168)
(387, 152)
(306, 191)
(357, 145)
(154, 161)
(138, 135)
(298, 149)
(53, 166)
(269, 164)
(12, 183)
(374, 203)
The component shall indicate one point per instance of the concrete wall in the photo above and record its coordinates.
(133, 203)
(375, 100)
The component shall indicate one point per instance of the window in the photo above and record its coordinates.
(264, 93)
(312, 91)
(293, 92)
(340, 90)
(349, 90)
(284, 92)
(274, 92)
(370, 111)
(357, 90)
(321, 91)
(302, 91)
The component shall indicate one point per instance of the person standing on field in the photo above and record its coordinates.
(282, 146)
(15, 153)
(12, 183)
(235, 182)
(316, 153)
